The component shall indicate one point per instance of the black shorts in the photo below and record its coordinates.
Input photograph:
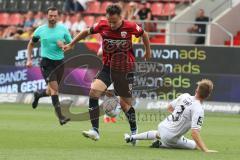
(52, 70)
(122, 82)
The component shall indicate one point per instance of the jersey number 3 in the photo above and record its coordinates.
(177, 115)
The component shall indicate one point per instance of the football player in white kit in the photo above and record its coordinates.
(186, 113)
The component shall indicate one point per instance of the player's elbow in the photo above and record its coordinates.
(170, 108)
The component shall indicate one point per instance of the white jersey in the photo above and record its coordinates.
(188, 113)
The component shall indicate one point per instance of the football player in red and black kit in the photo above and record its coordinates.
(118, 64)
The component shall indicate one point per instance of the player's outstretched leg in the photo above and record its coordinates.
(149, 135)
(37, 96)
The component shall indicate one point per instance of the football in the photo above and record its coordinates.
(110, 106)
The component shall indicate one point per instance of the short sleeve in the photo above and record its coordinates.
(37, 32)
(36, 35)
(95, 28)
(67, 36)
(137, 30)
(197, 117)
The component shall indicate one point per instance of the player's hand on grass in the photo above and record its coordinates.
(29, 63)
(211, 151)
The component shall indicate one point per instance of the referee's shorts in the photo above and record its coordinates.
(52, 70)
(122, 81)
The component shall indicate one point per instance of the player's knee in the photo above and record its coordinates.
(53, 85)
(98, 86)
(48, 91)
(94, 94)
(53, 91)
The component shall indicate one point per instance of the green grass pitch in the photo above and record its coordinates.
(27, 134)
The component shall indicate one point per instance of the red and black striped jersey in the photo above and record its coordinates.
(117, 44)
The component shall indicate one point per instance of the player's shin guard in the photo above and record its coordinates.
(131, 116)
(94, 113)
(56, 104)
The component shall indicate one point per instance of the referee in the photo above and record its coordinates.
(52, 37)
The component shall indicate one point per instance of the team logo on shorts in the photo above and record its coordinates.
(124, 34)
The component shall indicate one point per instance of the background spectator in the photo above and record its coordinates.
(1, 32)
(79, 25)
(200, 28)
(72, 6)
(10, 32)
(30, 20)
(145, 13)
(81, 5)
(69, 6)
(26, 35)
(65, 20)
(40, 19)
(131, 12)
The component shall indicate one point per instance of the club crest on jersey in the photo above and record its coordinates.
(124, 34)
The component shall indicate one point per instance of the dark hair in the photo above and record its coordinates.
(114, 9)
(52, 9)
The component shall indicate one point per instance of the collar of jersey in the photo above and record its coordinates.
(119, 27)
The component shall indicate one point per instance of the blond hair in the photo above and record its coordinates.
(205, 87)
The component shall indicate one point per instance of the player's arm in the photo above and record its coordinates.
(170, 108)
(200, 143)
(193, 28)
(146, 43)
(76, 39)
(197, 138)
(139, 32)
(30, 49)
(100, 52)
(197, 121)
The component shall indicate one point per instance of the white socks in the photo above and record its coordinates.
(149, 135)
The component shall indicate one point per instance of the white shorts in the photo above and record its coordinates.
(169, 140)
